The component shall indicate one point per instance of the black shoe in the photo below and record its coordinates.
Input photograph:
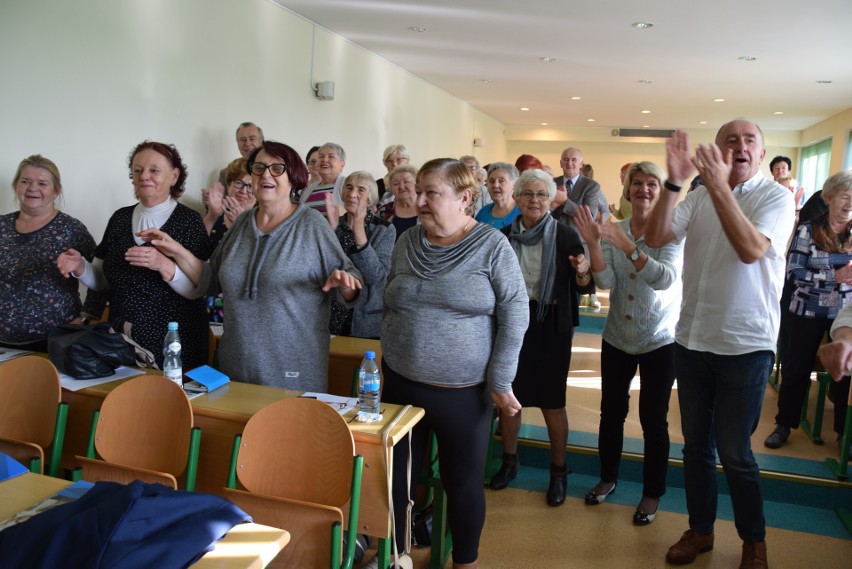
(507, 472)
(558, 484)
(778, 437)
(594, 498)
(641, 518)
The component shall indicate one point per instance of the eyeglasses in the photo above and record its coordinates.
(539, 196)
(239, 184)
(258, 169)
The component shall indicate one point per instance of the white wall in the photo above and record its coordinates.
(86, 80)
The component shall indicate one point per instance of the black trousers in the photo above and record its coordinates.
(460, 419)
(657, 374)
(802, 340)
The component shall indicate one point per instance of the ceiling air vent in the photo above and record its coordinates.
(642, 133)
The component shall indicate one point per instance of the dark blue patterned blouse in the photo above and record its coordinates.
(34, 296)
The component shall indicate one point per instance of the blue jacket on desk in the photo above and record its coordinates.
(112, 525)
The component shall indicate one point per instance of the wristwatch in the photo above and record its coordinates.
(634, 256)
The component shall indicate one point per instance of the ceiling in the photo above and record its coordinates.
(489, 53)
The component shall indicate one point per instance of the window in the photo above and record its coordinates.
(816, 159)
(849, 151)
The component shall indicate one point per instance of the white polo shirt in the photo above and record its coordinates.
(729, 307)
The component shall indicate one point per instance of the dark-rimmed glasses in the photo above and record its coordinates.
(258, 168)
(239, 184)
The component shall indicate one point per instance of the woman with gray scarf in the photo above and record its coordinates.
(555, 273)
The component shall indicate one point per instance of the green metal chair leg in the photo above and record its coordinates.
(814, 430)
(54, 465)
(839, 467)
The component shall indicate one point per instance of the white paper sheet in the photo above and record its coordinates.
(72, 384)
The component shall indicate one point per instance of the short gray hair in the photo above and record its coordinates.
(837, 183)
(506, 167)
(337, 148)
(535, 175)
(396, 149)
(367, 178)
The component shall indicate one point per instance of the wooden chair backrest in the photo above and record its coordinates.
(146, 423)
(30, 393)
(299, 449)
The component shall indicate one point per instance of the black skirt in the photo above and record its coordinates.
(544, 362)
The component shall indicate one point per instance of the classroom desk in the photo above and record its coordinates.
(246, 546)
(224, 413)
(344, 355)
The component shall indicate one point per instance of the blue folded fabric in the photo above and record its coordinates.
(123, 527)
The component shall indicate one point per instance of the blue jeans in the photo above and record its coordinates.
(720, 399)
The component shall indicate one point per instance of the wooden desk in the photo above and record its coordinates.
(224, 413)
(245, 546)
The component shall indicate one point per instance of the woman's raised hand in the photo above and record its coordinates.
(588, 227)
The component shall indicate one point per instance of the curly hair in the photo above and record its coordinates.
(171, 154)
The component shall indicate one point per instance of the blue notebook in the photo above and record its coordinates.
(204, 380)
(9, 467)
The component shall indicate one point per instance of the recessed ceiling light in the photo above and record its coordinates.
(525, 108)
(702, 122)
(747, 58)
(646, 126)
(576, 98)
(642, 25)
(645, 81)
(487, 80)
(544, 123)
(646, 112)
(824, 82)
(547, 59)
(418, 29)
(718, 100)
(778, 113)
(590, 120)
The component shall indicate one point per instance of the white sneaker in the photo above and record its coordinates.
(594, 302)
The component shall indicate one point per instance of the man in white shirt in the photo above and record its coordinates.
(736, 226)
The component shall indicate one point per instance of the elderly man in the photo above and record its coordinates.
(581, 191)
(330, 162)
(249, 136)
(736, 226)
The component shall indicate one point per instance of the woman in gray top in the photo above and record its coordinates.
(645, 292)
(274, 267)
(455, 315)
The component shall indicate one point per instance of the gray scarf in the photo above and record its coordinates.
(544, 231)
(430, 261)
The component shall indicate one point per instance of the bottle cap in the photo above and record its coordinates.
(173, 326)
(370, 355)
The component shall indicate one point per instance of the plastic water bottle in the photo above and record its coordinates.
(369, 382)
(172, 367)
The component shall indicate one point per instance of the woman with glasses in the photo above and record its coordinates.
(555, 273)
(237, 199)
(645, 292)
(142, 285)
(277, 266)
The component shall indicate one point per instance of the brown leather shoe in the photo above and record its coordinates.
(754, 555)
(690, 545)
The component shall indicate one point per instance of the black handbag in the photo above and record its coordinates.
(88, 352)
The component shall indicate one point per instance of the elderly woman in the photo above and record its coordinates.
(819, 266)
(638, 333)
(503, 209)
(35, 296)
(275, 266)
(455, 315)
(555, 271)
(312, 162)
(237, 199)
(368, 241)
(393, 156)
(402, 210)
(143, 287)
